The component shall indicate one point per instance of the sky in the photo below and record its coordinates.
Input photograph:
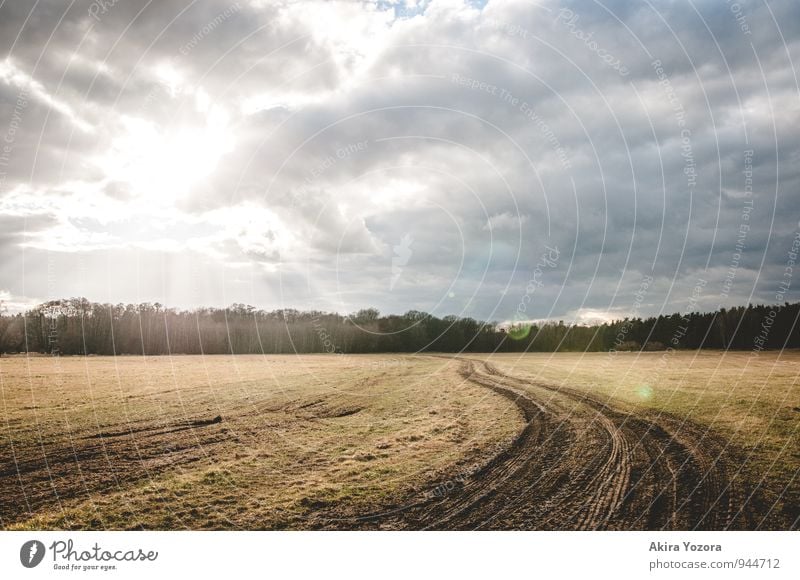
(503, 160)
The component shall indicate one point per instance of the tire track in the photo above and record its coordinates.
(579, 464)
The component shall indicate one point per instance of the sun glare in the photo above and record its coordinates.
(160, 164)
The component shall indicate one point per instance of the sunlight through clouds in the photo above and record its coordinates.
(307, 134)
(160, 165)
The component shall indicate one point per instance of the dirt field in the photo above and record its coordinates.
(560, 441)
(751, 404)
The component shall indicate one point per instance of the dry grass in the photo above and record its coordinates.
(754, 401)
(129, 442)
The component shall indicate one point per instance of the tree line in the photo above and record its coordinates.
(77, 326)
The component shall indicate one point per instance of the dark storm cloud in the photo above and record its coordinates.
(313, 139)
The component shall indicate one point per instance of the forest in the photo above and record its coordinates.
(77, 326)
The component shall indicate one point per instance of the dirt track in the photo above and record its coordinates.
(580, 465)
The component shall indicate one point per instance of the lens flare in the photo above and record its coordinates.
(519, 331)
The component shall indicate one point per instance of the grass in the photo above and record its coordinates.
(131, 442)
(124, 449)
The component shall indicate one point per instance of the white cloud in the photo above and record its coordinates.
(13, 75)
(11, 304)
(505, 221)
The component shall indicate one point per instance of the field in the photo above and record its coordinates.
(541, 441)
(749, 404)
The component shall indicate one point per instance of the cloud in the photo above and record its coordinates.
(299, 143)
